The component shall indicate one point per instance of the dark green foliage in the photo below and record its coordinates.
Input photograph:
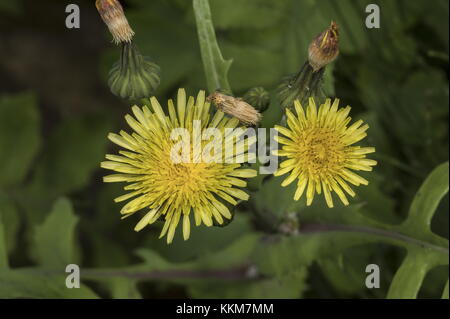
(55, 210)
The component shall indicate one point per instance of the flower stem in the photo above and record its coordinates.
(216, 68)
(236, 273)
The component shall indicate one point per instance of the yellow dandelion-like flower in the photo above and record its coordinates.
(319, 151)
(172, 190)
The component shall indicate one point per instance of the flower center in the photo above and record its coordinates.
(320, 150)
(187, 174)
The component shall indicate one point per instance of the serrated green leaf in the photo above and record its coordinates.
(327, 232)
(409, 277)
(418, 262)
(54, 241)
(427, 200)
(19, 137)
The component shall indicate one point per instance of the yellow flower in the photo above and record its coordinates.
(319, 151)
(172, 190)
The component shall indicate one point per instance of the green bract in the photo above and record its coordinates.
(301, 86)
(134, 76)
(258, 97)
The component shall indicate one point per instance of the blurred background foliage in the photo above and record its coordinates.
(56, 110)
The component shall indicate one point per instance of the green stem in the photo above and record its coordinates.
(216, 68)
(390, 236)
(236, 273)
(240, 272)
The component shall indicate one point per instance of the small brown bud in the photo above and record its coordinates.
(236, 107)
(112, 14)
(324, 48)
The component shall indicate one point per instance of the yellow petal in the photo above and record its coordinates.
(327, 194)
(145, 220)
(181, 106)
(186, 227)
(300, 188)
(310, 192)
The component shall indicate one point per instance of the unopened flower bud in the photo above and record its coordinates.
(134, 76)
(307, 82)
(324, 48)
(258, 97)
(235, 107)
(112, 14)
(301, 86)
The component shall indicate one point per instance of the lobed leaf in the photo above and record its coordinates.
(54, 245)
